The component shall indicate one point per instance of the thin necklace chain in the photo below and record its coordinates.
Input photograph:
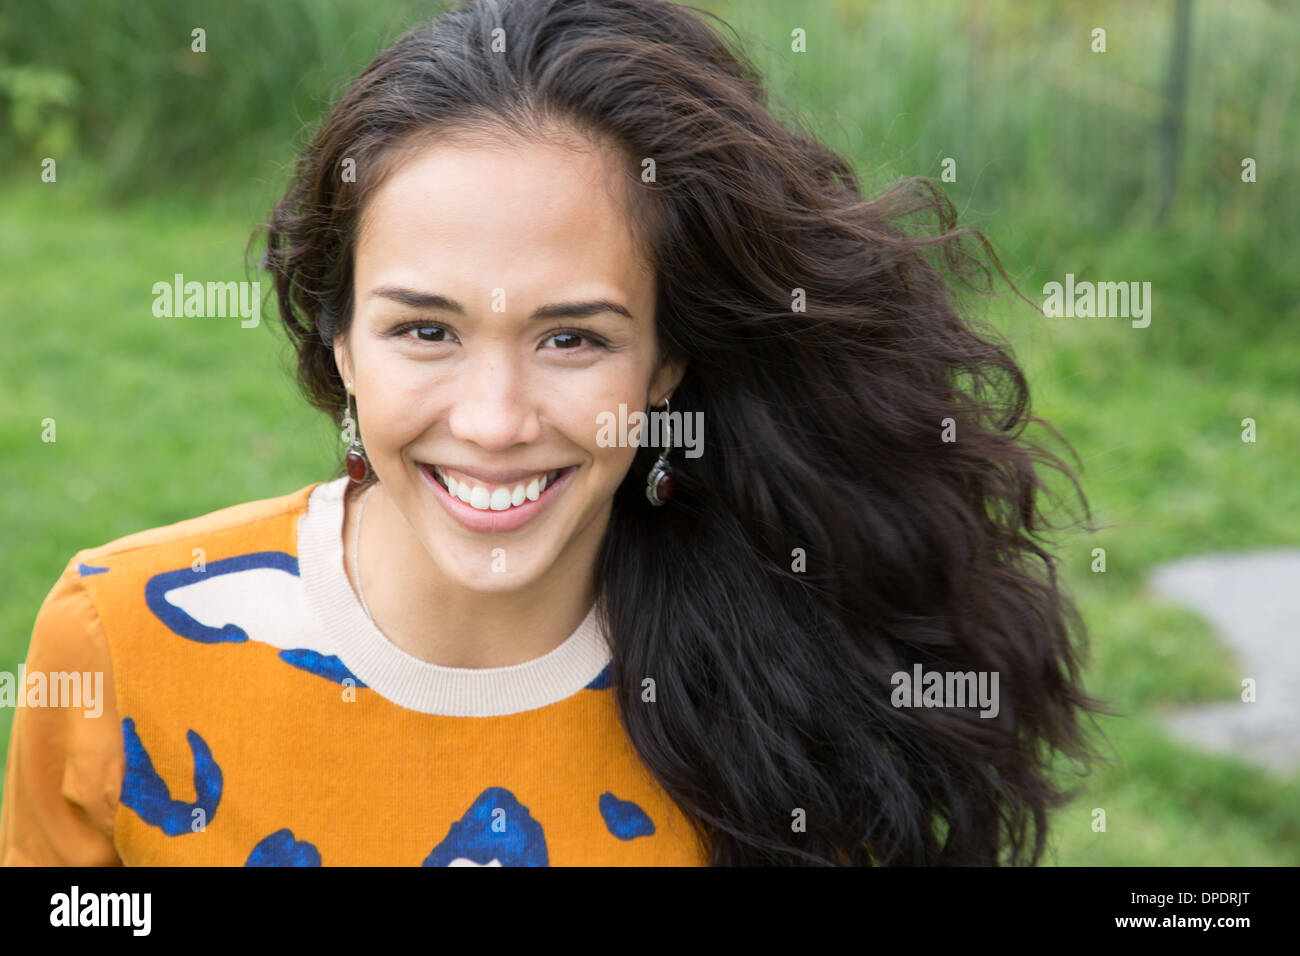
(356, 552)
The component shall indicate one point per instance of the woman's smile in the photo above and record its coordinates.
(508, 503)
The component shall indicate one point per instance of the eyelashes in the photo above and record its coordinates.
(403, 330)
(572, 334)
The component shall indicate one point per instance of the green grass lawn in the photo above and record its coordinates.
(156, 419)
(164, 419)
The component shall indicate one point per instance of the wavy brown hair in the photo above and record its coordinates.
(826, 434)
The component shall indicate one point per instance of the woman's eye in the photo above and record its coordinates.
(566, 341)
(424, 333)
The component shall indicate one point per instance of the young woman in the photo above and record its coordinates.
(522, 630)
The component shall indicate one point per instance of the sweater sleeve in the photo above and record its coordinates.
(63, 777)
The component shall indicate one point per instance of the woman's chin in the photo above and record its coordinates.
(487, 569)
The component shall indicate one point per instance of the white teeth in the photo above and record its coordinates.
(499, 498)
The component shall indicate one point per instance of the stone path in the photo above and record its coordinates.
(1253, 601)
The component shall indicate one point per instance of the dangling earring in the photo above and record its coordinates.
(357, 464)
(660, 482)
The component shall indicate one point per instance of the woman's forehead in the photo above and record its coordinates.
(511, 216)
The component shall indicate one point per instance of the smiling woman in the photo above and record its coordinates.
(501, 302)
(522, 219)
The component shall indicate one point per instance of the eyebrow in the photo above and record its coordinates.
(568, 310)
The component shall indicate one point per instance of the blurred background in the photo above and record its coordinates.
(1122, 165)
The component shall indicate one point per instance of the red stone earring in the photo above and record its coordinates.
(660, 482)
(357, 464)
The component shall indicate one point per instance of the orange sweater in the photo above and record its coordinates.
(249, 713)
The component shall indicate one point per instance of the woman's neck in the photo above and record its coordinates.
(442, 622)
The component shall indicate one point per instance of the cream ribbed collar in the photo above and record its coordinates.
(407, 680)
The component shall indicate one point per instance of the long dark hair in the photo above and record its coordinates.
(833, 533)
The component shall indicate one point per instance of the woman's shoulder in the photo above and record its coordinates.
(230, 575)
(105, 665)
(267, 521)
(140, 576)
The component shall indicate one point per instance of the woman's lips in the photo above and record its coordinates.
(495, 492)
(488, 522)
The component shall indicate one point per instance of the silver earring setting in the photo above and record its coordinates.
(660, 482)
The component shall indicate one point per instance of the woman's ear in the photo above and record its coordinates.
(342, 360)
(666, 380)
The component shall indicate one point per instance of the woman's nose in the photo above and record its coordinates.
(492, 405)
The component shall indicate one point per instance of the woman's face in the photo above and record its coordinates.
(464, 368)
